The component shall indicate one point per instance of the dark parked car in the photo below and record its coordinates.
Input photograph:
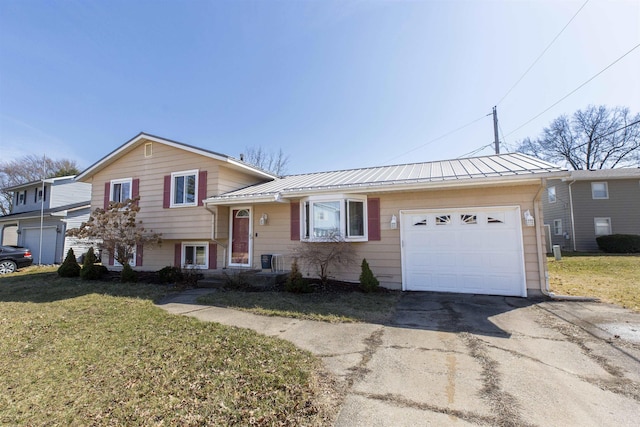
(14, 257)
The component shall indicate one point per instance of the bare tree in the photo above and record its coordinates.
(326, 253)
(27, 169)
(117, 229)
(270, 161)
(594, 138)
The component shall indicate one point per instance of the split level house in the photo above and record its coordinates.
(590, 203)
(469, 225)
(41, 213)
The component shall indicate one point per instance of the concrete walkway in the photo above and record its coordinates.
(450, 359)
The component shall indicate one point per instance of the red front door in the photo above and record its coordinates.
(240, 237)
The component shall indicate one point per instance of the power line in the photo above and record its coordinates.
(543, 52)
(440, 137)
(477, 150)
(573, 91)
(504, 140)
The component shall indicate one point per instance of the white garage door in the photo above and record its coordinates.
(471, 250)
(31, 240)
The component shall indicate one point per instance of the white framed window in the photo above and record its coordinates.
(120, 190)
(22, 198)
(602, 226)
(557, 227)
(132, 259)
(599, 190)
(551, 193)
(195, 255)
(184, 188)
(327, 217)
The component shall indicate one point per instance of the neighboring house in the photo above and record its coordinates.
(591, 203)
(469, 225)
(42, 212)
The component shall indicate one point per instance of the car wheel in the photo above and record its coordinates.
(7, 266)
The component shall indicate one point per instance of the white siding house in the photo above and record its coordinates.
(41, 214)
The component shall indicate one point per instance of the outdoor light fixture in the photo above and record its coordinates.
(394, 222)
(263, 219)
(528, 219)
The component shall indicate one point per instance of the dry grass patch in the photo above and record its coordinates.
(612, 278)
(334, 307)
(97, 353)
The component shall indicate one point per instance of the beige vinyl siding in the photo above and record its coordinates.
(384, 255)
(193, 223)
(622, 207)
(230, 180)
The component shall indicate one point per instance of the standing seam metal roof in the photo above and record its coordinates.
(502, 165)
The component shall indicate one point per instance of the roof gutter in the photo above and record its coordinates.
(381, 187)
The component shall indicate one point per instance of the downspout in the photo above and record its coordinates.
(542, 272)
(573, 225)
(213, 236)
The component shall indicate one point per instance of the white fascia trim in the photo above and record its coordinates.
(229, 201)
(143, 136)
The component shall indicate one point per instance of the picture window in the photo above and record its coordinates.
(329, 218)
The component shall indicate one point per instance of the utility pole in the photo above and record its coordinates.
(496, 140)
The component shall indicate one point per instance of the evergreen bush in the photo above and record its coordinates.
(170, 274)
(70, 266)
(93, 272)
(368, 282)
(295, 282)
(619, 243)
(128, 275)
(89, 258)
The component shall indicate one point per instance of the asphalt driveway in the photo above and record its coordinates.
(450, 359)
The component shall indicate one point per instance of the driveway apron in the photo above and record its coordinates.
(450, 359)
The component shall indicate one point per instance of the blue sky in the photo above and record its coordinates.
(334, 84)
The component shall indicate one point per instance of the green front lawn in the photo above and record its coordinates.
(612, 278)
(97, 353)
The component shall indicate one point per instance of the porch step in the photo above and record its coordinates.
(242, 278)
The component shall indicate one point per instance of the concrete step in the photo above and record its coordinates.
(242, 278)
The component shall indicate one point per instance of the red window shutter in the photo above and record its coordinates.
(135, 188)
(373, 218)
(138, 255)
(177, 257)
(107, 195)
(295, 220)
(202, 187)
(213, 256)
(166, 199)
(111, 258)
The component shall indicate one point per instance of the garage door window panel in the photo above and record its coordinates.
(443, 219)
(495, 218)
(469, 219)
